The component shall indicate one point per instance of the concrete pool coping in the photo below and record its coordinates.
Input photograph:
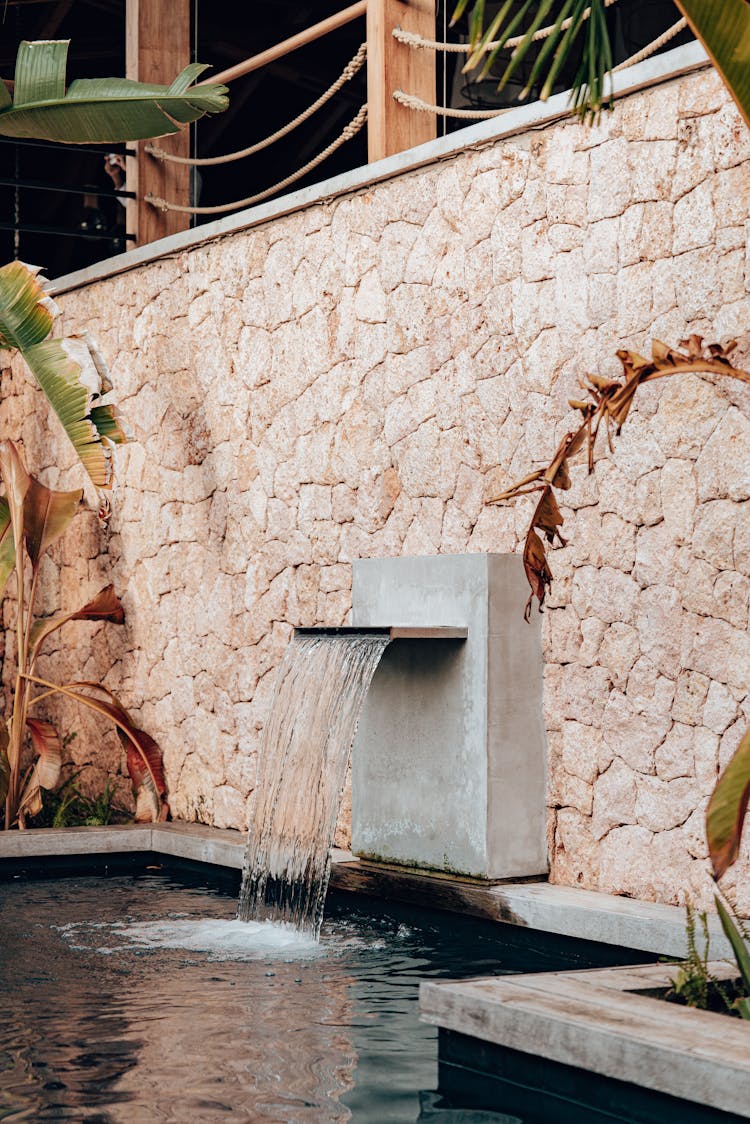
(598, 1020)
(560, 910)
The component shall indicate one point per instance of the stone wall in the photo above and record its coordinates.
(354, 380)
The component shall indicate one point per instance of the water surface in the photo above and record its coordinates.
(139, 998)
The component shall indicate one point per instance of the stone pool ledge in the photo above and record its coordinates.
(561, 910)
(598, 1020)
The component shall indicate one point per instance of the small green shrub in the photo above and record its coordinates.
(694, 985)
(67, 806)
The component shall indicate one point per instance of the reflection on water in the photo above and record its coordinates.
(136, 999)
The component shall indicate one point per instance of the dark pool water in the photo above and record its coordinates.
(102, 1021)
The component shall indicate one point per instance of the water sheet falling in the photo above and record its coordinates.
(320, 691)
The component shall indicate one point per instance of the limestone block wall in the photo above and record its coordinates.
(356, 378)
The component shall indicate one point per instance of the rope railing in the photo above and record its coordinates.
(410, 101)
(351, 69)
(412, 40)
(652, 48)
(346, 134)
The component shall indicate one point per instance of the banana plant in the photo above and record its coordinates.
(577, 32)
(32, 518)
(71, 372)
(97, 110)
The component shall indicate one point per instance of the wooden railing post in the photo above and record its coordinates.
(157, 49)
(391, 65)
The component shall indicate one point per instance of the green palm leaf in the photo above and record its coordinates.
(575, 27)
(724, 30)
(70, 371)
(723, 26)
(97, 110)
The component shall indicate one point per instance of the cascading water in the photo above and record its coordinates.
(320, 691)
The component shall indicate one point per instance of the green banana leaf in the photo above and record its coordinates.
(70, 372)
(724, 30)
(740, 950)
(725, 815)
(97, 110)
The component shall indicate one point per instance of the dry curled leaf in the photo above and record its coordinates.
(609, 401)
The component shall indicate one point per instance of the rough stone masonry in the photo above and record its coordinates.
(354, 379)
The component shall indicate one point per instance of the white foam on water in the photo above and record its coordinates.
(221, 940)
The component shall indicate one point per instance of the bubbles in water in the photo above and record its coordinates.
(219, 939)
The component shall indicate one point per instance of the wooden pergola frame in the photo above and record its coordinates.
(152, 56)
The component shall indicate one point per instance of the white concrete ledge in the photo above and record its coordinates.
(661, 68)
(560, 910)
(597, 1021)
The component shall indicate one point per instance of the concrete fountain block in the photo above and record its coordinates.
(449, 761)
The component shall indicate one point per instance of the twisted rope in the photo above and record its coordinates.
(411, 39)
(350, 70)
(413, 102)
(652, 48)
(346, 134)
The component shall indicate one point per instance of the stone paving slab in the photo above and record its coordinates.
(593, 1021)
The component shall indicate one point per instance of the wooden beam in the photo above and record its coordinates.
(157, 47)
(392, 127)
(309, 35)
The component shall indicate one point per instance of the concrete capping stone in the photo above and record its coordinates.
(662, 68)
(597, 1020)
(562, 910)
(51, 842)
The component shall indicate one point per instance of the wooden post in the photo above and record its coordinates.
(157, 49)
(392, 66)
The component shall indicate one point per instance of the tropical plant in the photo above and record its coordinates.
(578, 34)
(738, 938)
(607, 404)
(68, 806)
(32, 518)
(71, 372)
(694, 985)
(74, 377)
(97, 110)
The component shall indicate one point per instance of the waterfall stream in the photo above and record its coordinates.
(321, 688)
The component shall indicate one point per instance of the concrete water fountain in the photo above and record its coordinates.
(449, 761)
(449, 758)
